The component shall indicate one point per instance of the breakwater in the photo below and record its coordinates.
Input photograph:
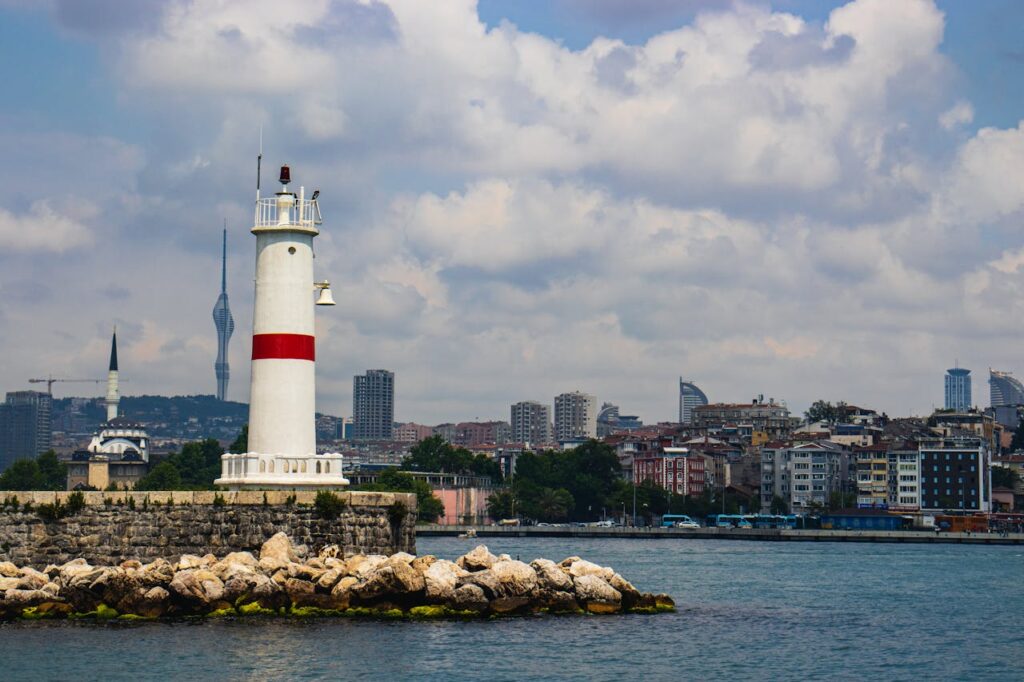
(768, 535)
(111, 527)
(287, 580)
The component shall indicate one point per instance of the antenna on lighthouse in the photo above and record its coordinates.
(259, 163)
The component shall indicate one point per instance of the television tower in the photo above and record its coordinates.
(225, 325)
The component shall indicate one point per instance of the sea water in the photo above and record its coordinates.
(746, 610)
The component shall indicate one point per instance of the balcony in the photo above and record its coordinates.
(287, 212)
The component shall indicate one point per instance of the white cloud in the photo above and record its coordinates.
(41, 229)
(961, 113)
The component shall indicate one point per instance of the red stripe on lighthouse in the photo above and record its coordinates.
(283, 347)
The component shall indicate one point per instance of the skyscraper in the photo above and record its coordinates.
(1004, 389)
(575, 416)
(531, 422)
(26, 426)
(373, 405)
(689, 397)
(225, 325)
(958, 389)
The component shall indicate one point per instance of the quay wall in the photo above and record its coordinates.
(115, 526)
(785, 535)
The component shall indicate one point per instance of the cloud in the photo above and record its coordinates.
(761, 202)
(41, 229)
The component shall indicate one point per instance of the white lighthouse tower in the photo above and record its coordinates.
(282, 403)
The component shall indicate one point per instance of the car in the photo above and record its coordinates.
(687, 524)
(607, 523)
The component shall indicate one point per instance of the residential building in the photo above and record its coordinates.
(804, 475)
(531, 422)
(958, 389)
(972, 421)
(1004, 389)
(904, 477)
(26, 428)
(677, 470)
(955, 474)
(872, 465)
(373, 405)
(471, 434)
(771, 418)
(575, 416)
(412, 432)
(690, 396)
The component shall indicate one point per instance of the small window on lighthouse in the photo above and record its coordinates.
(303, 466)
(271, 466)
(291, 250)
(318, 467)
(327, 467)
(263, 467)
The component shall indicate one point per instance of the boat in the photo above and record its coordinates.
(471, 533)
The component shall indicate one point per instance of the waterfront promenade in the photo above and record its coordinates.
(724, 534)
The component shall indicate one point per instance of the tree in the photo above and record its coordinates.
(1004, 477)
(241, 443)
(839, 500)
(23, 474)
(198, 463)
(821, 410)
(428, 507)
(437, 454)
(164, 476)
(552, 505)
(501, 505)
(54, 473)
(779, 505)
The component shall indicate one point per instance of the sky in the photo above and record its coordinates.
(801, 199)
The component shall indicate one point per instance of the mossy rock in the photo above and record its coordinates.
(134, 617)
(254, 609)
(102, 612)
(312, 612)
(221, 613)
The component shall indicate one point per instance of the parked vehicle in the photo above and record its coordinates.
(678, 521)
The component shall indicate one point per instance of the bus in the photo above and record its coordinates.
(772, 520)
(678, 521)
(729, 521)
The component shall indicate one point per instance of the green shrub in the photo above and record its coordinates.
(51, 512)
(131, 503)
(76, 503)
(397, 513)
(328, 505)
(219, 501)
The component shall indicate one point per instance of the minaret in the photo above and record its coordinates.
(225, 325)
(282, 400)
(113, 397)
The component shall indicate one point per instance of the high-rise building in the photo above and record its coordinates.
(373, 405)
(531, 422)
(609, 421)
(26, 426)
(958, 389)
(689, 397)
(1004, 389)
(575, 416)
(225, 324)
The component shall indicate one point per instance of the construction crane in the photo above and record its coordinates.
(50, 381)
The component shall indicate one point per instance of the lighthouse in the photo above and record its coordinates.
(282, 402)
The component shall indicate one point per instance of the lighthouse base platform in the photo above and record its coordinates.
(259, 471)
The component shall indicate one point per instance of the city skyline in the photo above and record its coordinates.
(495, 238)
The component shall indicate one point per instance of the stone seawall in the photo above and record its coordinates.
(114, 527)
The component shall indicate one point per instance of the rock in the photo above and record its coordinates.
(304, 572)
(596, 595)
(9, 584)
(568, 561)
(298, 590)
(188, 561)
(477, 559)
(550, 576)
(580, 568)
(557, 601)
(330, 552)
(131, 564)
(32, 579)
(9, 570)
(362, 566)
(401, 557)
(504, 557)
(630, 595)
(328, 580)
(159, 572)
(379, 582)
(198, 587)
(407, 579)
(19, 600)
(469, 598)
(486, 581)
(154, 603)
(440, 580)
(279, 548)
(422, 563)
(243, 558)
(514, 578)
